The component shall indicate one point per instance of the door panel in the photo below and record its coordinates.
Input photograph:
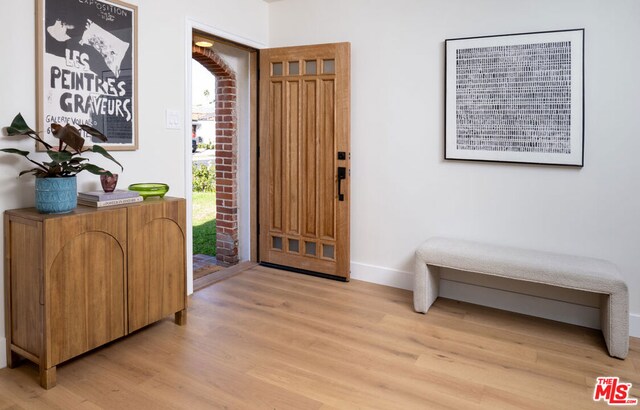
(85, 273)
(309, 164)
(292, 180)
(89, 290)
(276, 156)
(304, 123)
(327, 163)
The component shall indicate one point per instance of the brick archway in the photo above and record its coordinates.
(226, 154)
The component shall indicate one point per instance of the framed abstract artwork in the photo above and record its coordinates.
(87, 68)
(516, 98)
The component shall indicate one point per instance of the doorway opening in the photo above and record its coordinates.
(222, 134)
(203, 139)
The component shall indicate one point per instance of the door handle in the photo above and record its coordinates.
(342, 174)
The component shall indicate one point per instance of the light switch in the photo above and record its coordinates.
(173, 120)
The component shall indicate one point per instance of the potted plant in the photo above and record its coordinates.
(56, 187)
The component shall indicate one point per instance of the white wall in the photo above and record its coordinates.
(404, 192)
(162, 70)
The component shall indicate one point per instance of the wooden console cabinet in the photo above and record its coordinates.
(76, 281)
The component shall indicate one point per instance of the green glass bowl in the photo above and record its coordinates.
(150, 189)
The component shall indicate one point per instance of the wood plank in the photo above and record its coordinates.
(23, 280)
(302, 353)
(405, 348)
(220, 384)
(271, 339)
(226, 273)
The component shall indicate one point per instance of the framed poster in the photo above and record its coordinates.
(516, 98)
(87, 69)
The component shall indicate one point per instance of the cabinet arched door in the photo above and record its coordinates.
(156, 284)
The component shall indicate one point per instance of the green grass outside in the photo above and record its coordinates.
(204, 223)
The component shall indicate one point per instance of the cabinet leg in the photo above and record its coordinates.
(13, 359)
(181, 317)
(48, 377)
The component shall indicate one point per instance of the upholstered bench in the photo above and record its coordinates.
(573, 272)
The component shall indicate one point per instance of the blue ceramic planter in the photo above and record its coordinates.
(56, 195)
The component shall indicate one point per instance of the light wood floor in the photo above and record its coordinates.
(267, 339)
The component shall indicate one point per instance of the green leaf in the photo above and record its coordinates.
(19, 126)
(104, 153)
(95, 169)
(25, 154)
(59, 156)
(15, 151)
(72, 168)
(77, 160)
(69, 134)
(11, 132)
(94, 133)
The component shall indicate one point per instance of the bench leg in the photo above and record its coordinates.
(425, 286)
(614, 321)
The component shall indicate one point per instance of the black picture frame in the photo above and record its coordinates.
(516, 98)
(87, 69)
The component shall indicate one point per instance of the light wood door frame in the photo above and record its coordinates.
(336, 85)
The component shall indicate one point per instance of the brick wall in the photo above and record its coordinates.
(226, 154)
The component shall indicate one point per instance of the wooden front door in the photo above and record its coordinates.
(304, 159)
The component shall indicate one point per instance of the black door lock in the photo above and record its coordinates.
(342, 174)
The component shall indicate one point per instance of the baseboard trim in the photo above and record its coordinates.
(3, 349)
(382, 276)
(496, 298)
(634, 325)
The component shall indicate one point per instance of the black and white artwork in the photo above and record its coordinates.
(87, 68)
(516, 98)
